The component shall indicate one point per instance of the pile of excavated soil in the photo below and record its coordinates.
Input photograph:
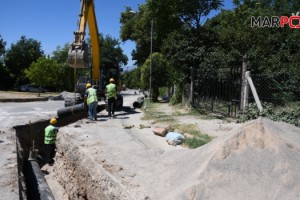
(260, 160)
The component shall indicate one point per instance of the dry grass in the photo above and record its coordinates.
(152, 111)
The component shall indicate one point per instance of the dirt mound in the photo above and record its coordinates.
(253, 135)
(259, 161)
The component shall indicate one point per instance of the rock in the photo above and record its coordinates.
(144, 126)
(160, 131)
(128, 126)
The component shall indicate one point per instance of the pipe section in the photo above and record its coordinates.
(138, 103)
(71, 110)
(36, 183)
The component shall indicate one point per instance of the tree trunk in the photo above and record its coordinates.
(191, 97)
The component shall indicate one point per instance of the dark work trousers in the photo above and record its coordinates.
(49, 153)
(111, 106)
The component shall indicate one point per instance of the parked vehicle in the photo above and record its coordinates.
(32, 88)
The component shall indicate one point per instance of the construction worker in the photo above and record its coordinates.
(49, 141)
(111, 95)
(92, 101)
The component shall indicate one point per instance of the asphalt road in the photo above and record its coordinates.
(21, 113)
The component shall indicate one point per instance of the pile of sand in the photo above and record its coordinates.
(259, 161)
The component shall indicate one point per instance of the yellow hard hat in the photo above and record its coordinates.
(88, 85)
(53, 121)
(111, 80)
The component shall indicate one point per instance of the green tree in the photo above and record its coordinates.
(170, 18)
(111, 51)
(43, 72)
(132, 78)
(64, 74)
(5, 80)
(2, 47)
(194, 12)
(159, 76)
(272, 52)
(20, 56)
(136, 26)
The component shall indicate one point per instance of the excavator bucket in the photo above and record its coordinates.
(78, 55)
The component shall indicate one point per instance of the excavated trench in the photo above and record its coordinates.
(74, 171)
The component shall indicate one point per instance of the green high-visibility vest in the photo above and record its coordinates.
(111, 91)
(50, 134)
(92, 96)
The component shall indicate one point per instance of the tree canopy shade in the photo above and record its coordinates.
(20, 56)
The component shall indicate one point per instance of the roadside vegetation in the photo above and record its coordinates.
(288, 113)
(193, 136)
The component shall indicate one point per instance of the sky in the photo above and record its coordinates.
(52, 22)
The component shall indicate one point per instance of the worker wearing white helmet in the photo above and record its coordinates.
(49, 141)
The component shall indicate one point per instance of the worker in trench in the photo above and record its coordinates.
(50, 138)
(91, 101)
(111, 95)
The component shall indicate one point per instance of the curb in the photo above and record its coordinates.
(25, 100)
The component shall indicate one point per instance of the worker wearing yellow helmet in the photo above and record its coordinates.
(111, 95)
(91, 101)
(88, 85)
(50, 137)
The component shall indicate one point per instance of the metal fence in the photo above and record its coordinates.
(278, 91)
(218, 91)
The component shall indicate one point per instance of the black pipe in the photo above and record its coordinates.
(138, 103)
(37, 187)
(71, 110)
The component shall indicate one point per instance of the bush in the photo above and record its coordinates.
(289, 115)
(251, 112)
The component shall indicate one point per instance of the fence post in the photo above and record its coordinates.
(243, 82)
(246, 91)
(256, 98)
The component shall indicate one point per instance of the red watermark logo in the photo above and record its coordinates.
(276, 21)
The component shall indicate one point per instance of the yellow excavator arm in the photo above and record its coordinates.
(78, 53)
